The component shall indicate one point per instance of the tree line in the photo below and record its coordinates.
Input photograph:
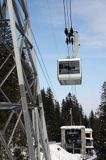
(57, 115)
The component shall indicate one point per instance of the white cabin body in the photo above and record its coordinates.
(69, 71)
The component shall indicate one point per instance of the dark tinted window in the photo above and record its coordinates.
(87, 134)
(69, 67)
(73, 136)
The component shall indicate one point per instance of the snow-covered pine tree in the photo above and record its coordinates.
(103, 95)
(102, 125)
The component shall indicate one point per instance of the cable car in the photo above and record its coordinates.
(69, 71)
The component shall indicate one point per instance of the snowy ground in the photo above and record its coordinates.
(58, 153)
(93, 158)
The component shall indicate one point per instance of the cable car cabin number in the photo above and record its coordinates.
(69, 71)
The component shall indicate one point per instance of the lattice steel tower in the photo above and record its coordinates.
(22, 121)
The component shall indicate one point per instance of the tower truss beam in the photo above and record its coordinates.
(21, 108)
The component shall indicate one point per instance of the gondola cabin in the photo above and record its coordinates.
(69, 71)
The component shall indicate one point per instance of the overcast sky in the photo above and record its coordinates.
(89, 19)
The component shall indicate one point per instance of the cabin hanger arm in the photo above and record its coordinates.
(76, 45)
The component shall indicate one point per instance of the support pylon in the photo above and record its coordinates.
(20, 98)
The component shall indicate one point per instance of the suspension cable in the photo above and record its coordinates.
(67, 14)
(68, 24)
(70, 13)
(45, 75)
(64, 13)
